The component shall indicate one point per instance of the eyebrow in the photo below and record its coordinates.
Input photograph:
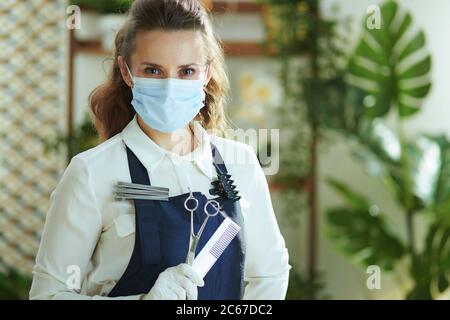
(159, 66)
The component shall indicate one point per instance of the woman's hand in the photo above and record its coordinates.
(176, 283)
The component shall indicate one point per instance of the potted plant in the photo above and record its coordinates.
(394, 69)
(316, 102)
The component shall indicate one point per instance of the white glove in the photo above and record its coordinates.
(176, 283)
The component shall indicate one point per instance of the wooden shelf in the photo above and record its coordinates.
(90, 47)
(231, 48)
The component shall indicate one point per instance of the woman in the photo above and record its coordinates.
(166, 89)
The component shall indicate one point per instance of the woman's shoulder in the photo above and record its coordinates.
(104, 153)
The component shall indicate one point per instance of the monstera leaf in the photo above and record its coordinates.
(367, 238)
(391, 64)
(425, 176)
(361, 231)
(441, 194)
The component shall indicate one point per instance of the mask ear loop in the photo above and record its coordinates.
(131, 76)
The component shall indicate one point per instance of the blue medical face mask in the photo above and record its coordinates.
(167, 104)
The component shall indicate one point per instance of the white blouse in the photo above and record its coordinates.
(87, 234)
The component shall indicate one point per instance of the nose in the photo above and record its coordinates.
(173, 73)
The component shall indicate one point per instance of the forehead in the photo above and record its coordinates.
(169, 47)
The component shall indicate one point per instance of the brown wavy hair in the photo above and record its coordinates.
(111, 101)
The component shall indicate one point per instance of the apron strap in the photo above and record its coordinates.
(147, 214)
(217, 160)
(224, 185)
(139, 173)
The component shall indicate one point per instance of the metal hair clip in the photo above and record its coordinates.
(129, 191)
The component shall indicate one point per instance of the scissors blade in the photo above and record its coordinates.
(192, 248)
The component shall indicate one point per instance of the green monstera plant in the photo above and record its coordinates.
(392, 66)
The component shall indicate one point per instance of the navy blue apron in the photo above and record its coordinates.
(162, 240)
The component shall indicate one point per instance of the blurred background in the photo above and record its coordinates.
(358, 88)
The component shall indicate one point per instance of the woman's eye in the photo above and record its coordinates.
(188, 72)
(151, 71)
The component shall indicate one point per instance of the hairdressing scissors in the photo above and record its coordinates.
(194, 238)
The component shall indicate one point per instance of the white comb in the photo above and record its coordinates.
(215, 246)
